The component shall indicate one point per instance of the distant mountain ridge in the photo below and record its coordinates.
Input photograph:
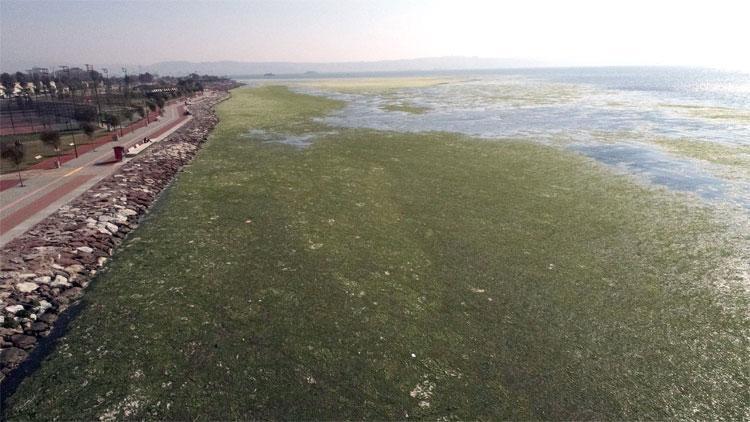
(237, 68)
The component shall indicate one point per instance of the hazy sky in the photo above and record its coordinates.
(713, 33)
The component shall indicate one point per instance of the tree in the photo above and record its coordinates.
(7, 80)
(88, 129)
(145, 78)
(21, 78)
(111, 120)
(52, 138)
(159, 101)
(95, 76)
(14, 153)
(151, 105)
(85, 114)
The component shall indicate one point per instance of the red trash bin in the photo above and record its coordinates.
(119, 152)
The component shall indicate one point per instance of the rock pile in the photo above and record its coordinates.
(46, 268)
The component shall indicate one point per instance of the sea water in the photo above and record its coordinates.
(615, 115)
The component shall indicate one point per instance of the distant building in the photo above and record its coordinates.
(38, 71)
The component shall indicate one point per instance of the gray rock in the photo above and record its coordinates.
(48, 318)
(26, 287)
(14, 309)
(12, 356)
(23, 341)
(60, 281)
(85, 249)
(43, 306)
(74, 269)
(43, 279)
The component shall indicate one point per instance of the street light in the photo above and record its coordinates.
(73, 144)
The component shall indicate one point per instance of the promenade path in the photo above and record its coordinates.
(44, 191)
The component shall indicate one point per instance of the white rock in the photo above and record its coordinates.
(101, 261)
(43, 306)
(26, 275)
(85, 249)
(111, 227)
(128, 212)
(13, 309)
(75, 268)
(26, 287)
(104, 218)
(60, 281)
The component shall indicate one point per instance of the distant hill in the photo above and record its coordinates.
(234, 68)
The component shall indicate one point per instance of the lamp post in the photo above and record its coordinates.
(106, 85)
(90, 69)
(73, 144)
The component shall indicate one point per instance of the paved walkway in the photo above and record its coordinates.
(45, 191)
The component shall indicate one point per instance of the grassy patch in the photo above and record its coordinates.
(405, 108)
(523, 93)
(721, 113)
(375, 85)
(34, 147)
(380, 275)
(736, 156)
(709, 151)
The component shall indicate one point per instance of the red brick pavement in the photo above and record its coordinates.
(42, 202)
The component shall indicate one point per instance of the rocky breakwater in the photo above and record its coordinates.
(45, 270)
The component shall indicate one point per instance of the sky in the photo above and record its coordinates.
(709, 33)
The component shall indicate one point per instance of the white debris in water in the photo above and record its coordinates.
(423, 392)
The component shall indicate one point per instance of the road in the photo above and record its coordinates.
(45, 191)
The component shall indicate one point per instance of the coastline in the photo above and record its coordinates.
(46, 270)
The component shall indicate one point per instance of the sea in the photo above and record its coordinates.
(684, 129)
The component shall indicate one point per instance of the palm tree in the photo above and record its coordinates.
(52, 138)
(14, 153)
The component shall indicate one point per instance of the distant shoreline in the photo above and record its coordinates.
(488, 71)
